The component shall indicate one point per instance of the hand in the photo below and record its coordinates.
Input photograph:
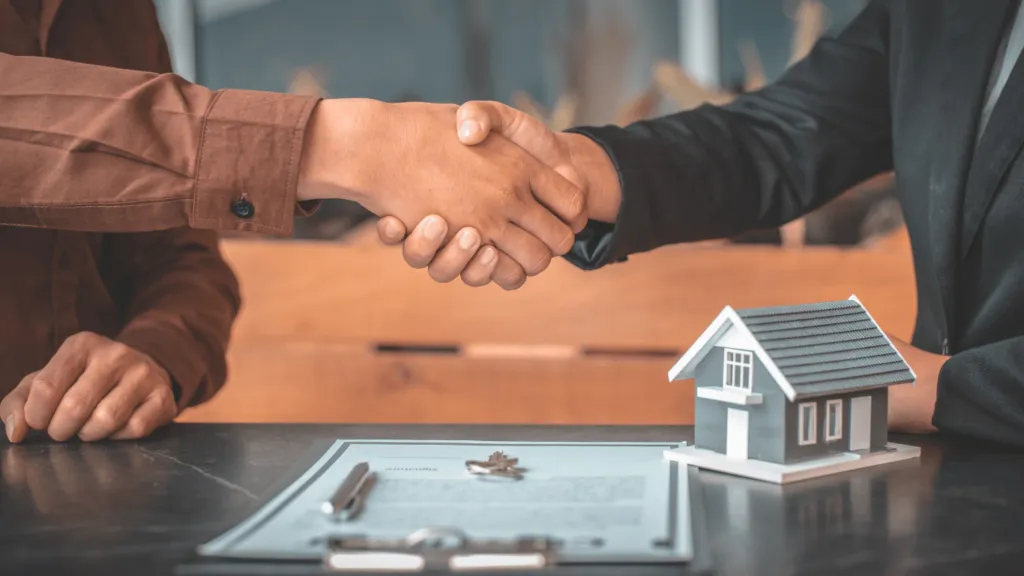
(95, 388)
(425, 248)
(571, 155)
(911, 407)
(405, 160)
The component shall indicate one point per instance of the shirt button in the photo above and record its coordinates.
(243, 208)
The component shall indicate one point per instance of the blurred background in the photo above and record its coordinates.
(570, 62)
(373, 340)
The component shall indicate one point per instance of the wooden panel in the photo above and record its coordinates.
(316, 317)
(660, 300)
(273, 382)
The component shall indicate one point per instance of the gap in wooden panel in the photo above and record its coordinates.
(630, 353)
(428, 349)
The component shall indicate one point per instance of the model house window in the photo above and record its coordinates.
(739, 368)
(807, 424)
(833, 420)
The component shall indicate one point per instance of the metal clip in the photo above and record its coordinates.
(438, 549)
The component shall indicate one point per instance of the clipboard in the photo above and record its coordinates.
(423, 550)
(443, 548)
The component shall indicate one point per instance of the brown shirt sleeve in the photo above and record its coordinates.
(179, 300)
(99, 149)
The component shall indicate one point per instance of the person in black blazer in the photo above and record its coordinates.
(927, 89)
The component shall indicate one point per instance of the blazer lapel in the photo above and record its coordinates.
(1000, 144)
(972, 33)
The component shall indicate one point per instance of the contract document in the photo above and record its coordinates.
(594, 502)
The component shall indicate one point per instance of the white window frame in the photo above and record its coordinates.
(838, 403)
(738, 360)
(800, 421)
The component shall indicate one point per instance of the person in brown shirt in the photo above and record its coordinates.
(116, 176)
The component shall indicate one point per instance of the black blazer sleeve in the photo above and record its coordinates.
(764, 159)
(981, 392)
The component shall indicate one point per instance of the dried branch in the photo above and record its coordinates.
(755, 78)
(642, 107)
(684, 90)
(811, 22)
(308, 82)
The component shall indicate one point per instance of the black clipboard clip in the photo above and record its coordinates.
(431, 549)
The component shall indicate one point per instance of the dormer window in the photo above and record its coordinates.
(739, 370)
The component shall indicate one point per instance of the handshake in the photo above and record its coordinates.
(489, 193)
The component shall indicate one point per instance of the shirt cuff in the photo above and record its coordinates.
(174, 350)
(248, 162)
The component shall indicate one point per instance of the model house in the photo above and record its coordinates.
(789, 384)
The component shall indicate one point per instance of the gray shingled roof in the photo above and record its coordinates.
(826, 347)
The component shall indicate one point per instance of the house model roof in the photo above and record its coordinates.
(810, 349)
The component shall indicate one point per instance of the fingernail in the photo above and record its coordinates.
(467, 241)
(9, 427)
(488, 256)
(434, 229)
(468, 129)
(392, 229)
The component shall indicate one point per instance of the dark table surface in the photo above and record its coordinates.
(143, 507)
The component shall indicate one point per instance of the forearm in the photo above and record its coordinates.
(981, 393)
(179, 301)
(758, 162)
(100, 149)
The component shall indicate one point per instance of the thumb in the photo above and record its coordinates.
(479, 118)
(12, 411)
(475, 120)
(391, 230)
(15, 427)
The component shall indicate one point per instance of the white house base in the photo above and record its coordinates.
(789, 473)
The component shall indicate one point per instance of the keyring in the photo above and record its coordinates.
(498, 465)
(475, 467)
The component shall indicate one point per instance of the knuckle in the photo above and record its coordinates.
(141, 371)
(167, 404)
(498, 228)
(83, 340)
(107, 418)
(79, 337)
(563, 244)
(44, 387)
(576, 204)
(538, 263)
(136, 428)
(75, 406)
(441, 275)
(415, 256)
(475, 278)
(511, 284)
(510, 279)
(116, 353)
(510, 192)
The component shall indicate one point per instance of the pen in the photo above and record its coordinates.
(348, 500)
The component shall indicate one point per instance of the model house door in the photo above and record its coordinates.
(736, 434)
(860, 423)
